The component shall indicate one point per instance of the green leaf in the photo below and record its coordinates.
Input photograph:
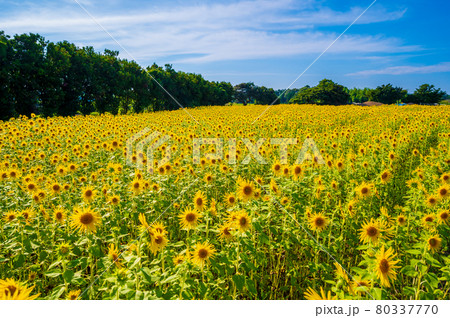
(19, 261)
(54, 273)
(414, 252)
(252, 287)
(147, 274)
(239, 281)
(68, 275)
(169, 279)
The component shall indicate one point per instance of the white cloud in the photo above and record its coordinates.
(206, 33)
(402, 70)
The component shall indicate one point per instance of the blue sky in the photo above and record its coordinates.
(403, 42)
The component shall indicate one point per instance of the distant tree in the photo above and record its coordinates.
(244, 92)
(325, 93)
(303, 96)
(265, 96)
(428, 94)
(359, 95)
(7, 109)
(26, 71)
(387, 94)
(285, 96)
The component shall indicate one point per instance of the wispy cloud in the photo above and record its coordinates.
(206, 33)
(402, 70)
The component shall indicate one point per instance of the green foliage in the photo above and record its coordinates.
(250, 93)
(359, 95)
(41, 77)
(325, 93)
(286, 95)
(387, 94)
(427, 94)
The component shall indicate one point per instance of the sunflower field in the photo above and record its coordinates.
(369, 220)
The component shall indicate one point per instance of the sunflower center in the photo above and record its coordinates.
(247, 190)
(87, 218)
(443, 192)
(384, 266)
(190, 217)
(432, 241)
(243, 221)
(31, 187)
(59, 215)
(136, 185)
(429, 219)
(372, 231)
(384, 176)
(88, 193)
(319, 222)
(231, 199)
(11, 217)
(297, 170)
(444, 215)
(277, 167)
(202, 253)
(158, 240)
(199, 201)
(364, 190)
(11, 289)
(55, 187)
(25, 215)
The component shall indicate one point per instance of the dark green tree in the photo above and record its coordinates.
(265, 96)
(427, 94)
(326, 92)
(387, 94)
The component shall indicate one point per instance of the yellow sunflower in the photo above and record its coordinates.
(158, 242)
(318, 221)
(73, 294)
(243, 221)
(385, 176)
(10, 216)
(85, 220)
(88, 194)
(245, 190)
(113, 254)
(401, 220)
(385, 266)
(443, 217)
(370, 232)
(202, 254)
(434, 243)
(230, 199)
(189, 219)
(200, 201)
(311, 294)
(428, 220)
(114, 200)
(364, 190)
(226, 232)
(443, 192)
(14, 290)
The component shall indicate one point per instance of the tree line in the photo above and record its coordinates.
(42, 77)
(46, 78)
(328, 92)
